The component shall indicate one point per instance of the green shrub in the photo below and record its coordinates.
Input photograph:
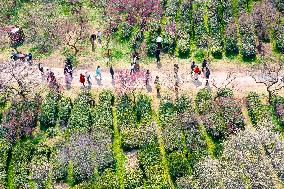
(108, 180)
(203, 101)
(125, 113)
(106, 98)
(49, 110)
(20, 165)
(186, 182)
(125, 31)
(133, 178)
(155, 177)
(81, 114)
(199, 55)
(167, 112)
(215, 124)
(138, 137)
(172, 135)
(178, 164)
(278, 105)
(149, 155)
(225, 92)
(64, 110)
(5, 147)
(143, 108)
(183, 104)
(279, 36)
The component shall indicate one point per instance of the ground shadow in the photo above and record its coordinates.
(149, 88)
(99, 82)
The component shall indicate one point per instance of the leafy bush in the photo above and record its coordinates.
(5, 147)
(214, 25)
(248, 38)
(19, 166)
(125, 113)
(279, 36)
(231, 38)
(106, 98)
(228, 12)
(256, 109)
(199, 21)
(153, 32)
(215, 124)
(167, 112)
(20, 119)
(183, 44)
(149, 156)
(125, 31)
(64, 110)
(178, 164)
(225, 92)
(40, 170)
(278, 105)
(172, 135)
(138, 137)
(155, 177)
(186, 182)
(169, 38)
(203, 101)
(143, 108)
(49, 110)
(232, 114)
(133, 178)
(183, 104)
(199, 55)
(81, 114)
(108, 180)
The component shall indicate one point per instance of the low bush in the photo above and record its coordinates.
(203, 101)
(133, 178)
(231, 38)
(186, 182)
(279, 36)
(49, 110)
(155, 177)
(215, 124)
(20, 163)
(64, 111)
(225, 92)
(125, 113)
(143, 108)
(178, 165)
(172, 135)
(5, 147)
(149, 156)
(108, 180)
(278, 105)
(138, 137)
(80, 117)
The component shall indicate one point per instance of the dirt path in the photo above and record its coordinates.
(244, 83)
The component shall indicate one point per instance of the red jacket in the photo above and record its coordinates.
(197, 70)
(82, 78)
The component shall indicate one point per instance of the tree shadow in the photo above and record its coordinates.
(149, 88)
(159, 65)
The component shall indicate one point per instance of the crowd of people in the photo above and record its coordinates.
(86, 79)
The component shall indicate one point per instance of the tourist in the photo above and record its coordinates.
(99, 73)
(158, 59)
(135, 57)
(82, 79)
(159, 42)
(204, 65)
(157, 85)
(68, 80)
(93, 41)
(131, 69)
(29, 58)
(40, 68)
(89, 79)
(196, 72)
(111, 71)
(147, 77)
(99, 35)
(207, 75)
(192, 67)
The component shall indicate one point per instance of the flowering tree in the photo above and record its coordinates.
(269, 73)
(134, 12)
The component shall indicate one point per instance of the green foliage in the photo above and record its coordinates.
(81, 114)
(143, 108)
(178, 164)
(203, 101)
(49, 110)
(125, 112)
(167, 112)
(108, 180)
(225, 92)
(279, 35)
(278, 105)
(256, 109)
(64, 110)
(183, 104)
(199, 55)
(133, 178)
(19, 167)
(5, 147)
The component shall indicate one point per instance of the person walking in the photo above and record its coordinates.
(93, 41)
(99, 35)
(158, 59)
(147, 77)
(82, 79)
(157, 85)
(29, 58)
(207, 75)
(111, 71)
(99, 73)
(68, 80)
(131, 69)
(159, 42)
(204, 65)
(40, 68)
(89, 79)
(135, 57)
(192, 67)
(196, 72)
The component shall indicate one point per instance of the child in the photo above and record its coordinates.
(82, 79)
